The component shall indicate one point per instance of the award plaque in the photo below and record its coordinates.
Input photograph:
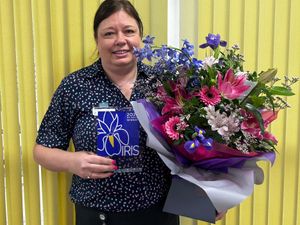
(118, 137)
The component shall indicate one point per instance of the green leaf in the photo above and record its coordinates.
(254, 92)
(257, 115)
(212, 75)
(177, 142)
(258, 101)
(269, 96)
(217, 52)
(266, 146)
(197, 120)
(279, 90)
(168, 88)
(252, 76)
(193, 101)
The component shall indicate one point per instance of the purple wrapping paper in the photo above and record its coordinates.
(223, 190)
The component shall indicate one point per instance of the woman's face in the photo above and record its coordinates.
(116, 37)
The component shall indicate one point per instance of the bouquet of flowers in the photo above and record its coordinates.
(210, 114)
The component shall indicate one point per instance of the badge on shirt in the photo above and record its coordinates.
(117, 133)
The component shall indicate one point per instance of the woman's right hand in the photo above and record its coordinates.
(88, 165)
(85, 164)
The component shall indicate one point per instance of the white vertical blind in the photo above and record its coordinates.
(173, 22)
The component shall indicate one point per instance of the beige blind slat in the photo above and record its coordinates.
(143, 8)
(24, 51)
(205, 22)
(60, 58)
(292, 150)
(263, 62)
(293, 117)
(2, 172)
(220, 18)
(191, 19)
(74, 17)
(280, 53)
(89, 49)
(44, 78)
(249, 42)
(10, 117)
(159, 25)
(236, 22)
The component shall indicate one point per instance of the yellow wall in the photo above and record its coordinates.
(41, 41)
(268, 32)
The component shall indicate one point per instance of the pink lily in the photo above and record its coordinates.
(251, 125)
(232, 86)
(161, 93)
(173, 105)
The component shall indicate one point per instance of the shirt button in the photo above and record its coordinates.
(102, 216)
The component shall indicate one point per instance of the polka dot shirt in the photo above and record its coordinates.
(70, 116)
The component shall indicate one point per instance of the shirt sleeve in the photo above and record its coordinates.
(57, 125)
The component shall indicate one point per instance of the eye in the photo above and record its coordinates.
(129, 31)
(108, 33)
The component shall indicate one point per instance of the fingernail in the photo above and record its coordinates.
(114, 162)
(115, 167)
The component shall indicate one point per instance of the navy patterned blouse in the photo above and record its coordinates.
(70, 116)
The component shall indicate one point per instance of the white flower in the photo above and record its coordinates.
(242, 73)
(220, 122)
(209, 61)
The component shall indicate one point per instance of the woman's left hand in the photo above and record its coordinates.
(221, 215)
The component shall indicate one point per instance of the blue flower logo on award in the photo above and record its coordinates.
(117, 133)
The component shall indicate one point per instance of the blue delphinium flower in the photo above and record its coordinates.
(185, 54)
(173, 55)
(169, 60)
(187, 48)
(148, 40)
(136, 52)
(197, 63)
(193, 82)
(161, 52)
(184, 61)
(146, 52)
(159, 67)
(143, 53)
(213, 41)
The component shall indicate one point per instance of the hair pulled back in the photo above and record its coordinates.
(109, 7)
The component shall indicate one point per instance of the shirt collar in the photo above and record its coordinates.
(96, 69)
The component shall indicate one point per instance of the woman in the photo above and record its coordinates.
(101, 193)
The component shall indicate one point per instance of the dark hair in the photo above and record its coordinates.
(109, 7)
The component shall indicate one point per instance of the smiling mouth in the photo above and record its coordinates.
(121, 51)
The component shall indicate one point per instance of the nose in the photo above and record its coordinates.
(121, 39)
